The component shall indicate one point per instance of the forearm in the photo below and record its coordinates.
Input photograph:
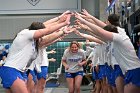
(51, 38)
(51, 21)
(51, 24)
(98, 22)
(106, 35)
(54, 41)
(48, 30)
(90, 20)
(91, 38)
(64, 63)
(83, 62)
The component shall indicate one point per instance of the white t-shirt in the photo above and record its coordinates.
(124, 52)
(88, 50)
(22, 51)
(41, 59)
(102, 54)
(95, 58)
(72, 60)
(113, 59)
(98, 59)
(121, 31)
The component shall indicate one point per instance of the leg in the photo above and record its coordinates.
(130, 88)
(98, 86)
(114, 89)
(70, 82)
(19, 86)
(41, 85)
(78, 81)
(8, 91)
(104, 85)
(120, 84)
(30, 83)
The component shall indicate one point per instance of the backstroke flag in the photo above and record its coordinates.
(111, 4)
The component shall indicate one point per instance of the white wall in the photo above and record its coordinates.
(10, 25)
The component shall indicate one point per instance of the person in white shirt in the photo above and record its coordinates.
(113, 19)
(24, 50)
(73, 60)
(124, 53)
(42, 76)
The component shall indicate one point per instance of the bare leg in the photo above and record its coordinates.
(114, 89)
(70, 82)
(30, 83)
(41, 85)
(78, 80)
(19, 86)
(120, 84)
(130, 88)
(98, 86)
(104, 85)
(8, 91)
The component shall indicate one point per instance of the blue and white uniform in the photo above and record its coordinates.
(21, 55)
(72, 60)
(126, 57)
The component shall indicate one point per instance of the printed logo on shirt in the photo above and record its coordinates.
(74, 60)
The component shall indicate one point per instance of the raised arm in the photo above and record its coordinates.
(106, 35)
(55, 35)
(97, 21)
(89, 37)
(56, 18)
(50, 29)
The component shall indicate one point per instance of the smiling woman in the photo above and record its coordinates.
(73, 60)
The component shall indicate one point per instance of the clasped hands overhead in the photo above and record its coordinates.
(78, 22)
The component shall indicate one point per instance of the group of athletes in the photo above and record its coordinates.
(116, 66)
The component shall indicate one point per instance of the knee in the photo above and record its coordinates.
(71, 90)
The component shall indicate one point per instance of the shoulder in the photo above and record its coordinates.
(81, 50)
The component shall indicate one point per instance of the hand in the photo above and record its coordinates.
(79, 17)
(66, 67)
(80, 64)
(65, 13)
(53, 60)
(65, 17)
(67, 30)
(81, 26)
(53, 51)
(76, 32)
(86, 14)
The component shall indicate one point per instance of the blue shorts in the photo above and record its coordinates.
(133, 76)
(73, 75)
(25, 76)
(33, 73)
(110, 75)
(95, 75)
(117, 71)
(9, 75)
(102, 73)
(43, 73)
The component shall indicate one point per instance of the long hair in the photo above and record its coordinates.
(36, 26)
(111, 28)
(114, 19)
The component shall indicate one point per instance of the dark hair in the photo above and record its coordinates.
(111, 28)
(36, 26)
(114, 19)
(75, 42)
